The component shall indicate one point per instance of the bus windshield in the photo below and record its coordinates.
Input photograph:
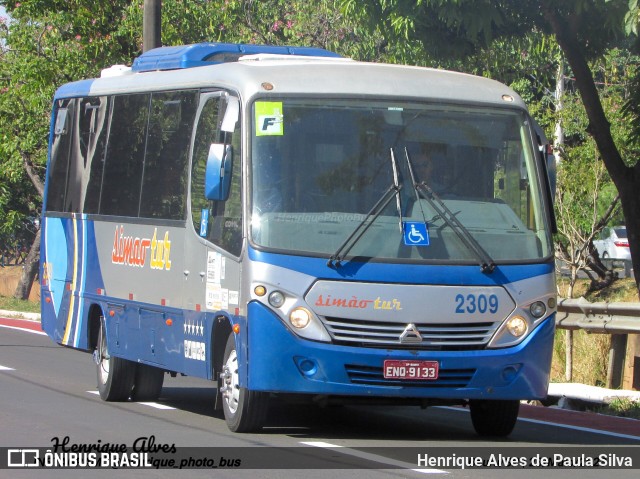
(325, 172)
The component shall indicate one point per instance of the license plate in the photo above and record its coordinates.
(411, 370)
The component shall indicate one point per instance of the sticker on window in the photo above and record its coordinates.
(269, 118)
(204, 222)
(415, 233)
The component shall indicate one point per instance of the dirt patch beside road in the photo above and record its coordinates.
(9, 277)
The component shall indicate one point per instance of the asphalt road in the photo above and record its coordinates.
(48, 393)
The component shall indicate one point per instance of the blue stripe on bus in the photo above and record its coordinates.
(403, 273)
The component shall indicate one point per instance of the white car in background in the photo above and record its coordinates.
(613, 243)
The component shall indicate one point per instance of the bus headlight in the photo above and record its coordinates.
(537, 309)
(517, 326)
(276, 299)
(300, 318)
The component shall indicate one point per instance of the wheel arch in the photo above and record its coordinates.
(219, 334)
(93, 325)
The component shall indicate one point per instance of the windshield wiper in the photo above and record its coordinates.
(422, 189)
(372, 215)
(397, 186)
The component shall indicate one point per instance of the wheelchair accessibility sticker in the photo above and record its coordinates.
(415, 233)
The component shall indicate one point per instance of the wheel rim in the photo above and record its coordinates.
(231, 383)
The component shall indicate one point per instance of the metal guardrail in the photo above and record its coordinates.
(617, 319)
(611, 318)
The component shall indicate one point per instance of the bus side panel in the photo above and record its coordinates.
(69, 270)
(141, 302)
(142, 269)
(282, 362)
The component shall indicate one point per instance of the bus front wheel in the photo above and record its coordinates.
(493, 417)
(244, 410)
(115, 375)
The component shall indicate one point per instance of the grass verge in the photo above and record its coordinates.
(12, 304)
(623, 407)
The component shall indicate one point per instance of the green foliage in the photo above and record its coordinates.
(632, 18)
(585, 189)
(463, 27)
(270, 22)
(622, 407)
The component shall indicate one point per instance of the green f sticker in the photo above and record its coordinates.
(269, 118)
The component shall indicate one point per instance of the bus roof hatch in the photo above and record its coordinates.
(202, 54)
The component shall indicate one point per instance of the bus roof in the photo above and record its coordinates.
(306, 75)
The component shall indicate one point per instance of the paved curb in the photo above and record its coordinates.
(19, 314)
(587, 393)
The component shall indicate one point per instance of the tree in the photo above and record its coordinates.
(584, 29)
(587, 199)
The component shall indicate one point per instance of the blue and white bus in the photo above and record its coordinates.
(285, 222)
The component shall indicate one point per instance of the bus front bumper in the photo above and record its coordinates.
(279, 361)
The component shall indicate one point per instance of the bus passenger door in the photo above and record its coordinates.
(212, 247)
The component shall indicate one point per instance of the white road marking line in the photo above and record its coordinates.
(26, 330)
(5, 368)
(156, 405)
(565, 426)
(579, 428)
(321, 444)
(151, 404)
(373, 457)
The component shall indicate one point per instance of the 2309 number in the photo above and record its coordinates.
(476, 303)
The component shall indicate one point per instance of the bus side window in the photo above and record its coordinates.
(87, 157)
(165, 164)
(60, 147)
(218, 221)
(125, 156)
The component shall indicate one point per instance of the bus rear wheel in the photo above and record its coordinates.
(147, 384)
(244, 410)
(115, 375)
(493, 417)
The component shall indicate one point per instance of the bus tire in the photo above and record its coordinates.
(494, 417)
(244, 410)
(115, 375)
(147, 384)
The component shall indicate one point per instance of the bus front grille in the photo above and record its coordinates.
(373, 376)
(386, 335)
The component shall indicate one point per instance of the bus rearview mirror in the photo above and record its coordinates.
(218, 173)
